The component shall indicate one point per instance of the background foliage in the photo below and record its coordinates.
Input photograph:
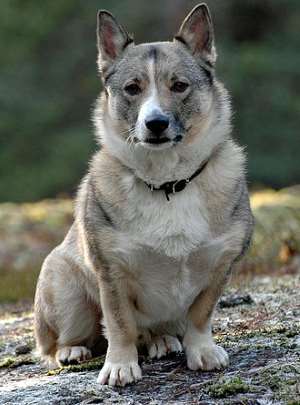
(48, 83)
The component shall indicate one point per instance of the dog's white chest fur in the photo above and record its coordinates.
(165, 293)
(157, 240)
(182, 287)
(174, 228)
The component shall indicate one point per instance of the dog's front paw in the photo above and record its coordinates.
(119, 373)
(162, 345)
(120, 367)
(206, 357)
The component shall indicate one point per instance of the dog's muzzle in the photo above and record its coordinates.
(157, 124)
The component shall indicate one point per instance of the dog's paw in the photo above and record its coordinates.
(162, 345)
(206, 357)
(72, 355)
(119, 373)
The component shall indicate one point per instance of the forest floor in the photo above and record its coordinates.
(257, 321)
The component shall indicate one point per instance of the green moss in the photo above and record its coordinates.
(13, 362)
(226, 387)
(282, 380)
(277, 330)
(94, 364)
(292, 333)
(7, 362)
(23, 360)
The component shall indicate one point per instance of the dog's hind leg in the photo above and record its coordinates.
(165, 338)
(67, 322)
(45, 336)
(162, 345)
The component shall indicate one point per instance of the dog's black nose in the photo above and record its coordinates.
(157, 123)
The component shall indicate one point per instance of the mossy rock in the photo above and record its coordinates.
(14, 362)
(94, 364)
(276, 239)
(226, 387)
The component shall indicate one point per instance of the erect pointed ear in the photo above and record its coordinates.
(196, 32)
(112, 39)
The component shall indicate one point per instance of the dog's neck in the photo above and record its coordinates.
(160, 166)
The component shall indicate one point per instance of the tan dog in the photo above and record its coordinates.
(161, 217)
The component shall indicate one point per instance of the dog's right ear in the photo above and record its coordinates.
(112, 39)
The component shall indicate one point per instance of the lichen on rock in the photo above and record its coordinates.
(261, 335)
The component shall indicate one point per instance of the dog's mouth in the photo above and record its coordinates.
(157, 140)
(157, 144)
(161, 142)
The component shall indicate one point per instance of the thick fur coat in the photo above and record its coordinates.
(135, 268)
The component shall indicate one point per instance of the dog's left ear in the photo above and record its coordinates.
(196, 32)
(112, 39)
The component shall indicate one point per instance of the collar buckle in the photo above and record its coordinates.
(173, 187)
(179, 185)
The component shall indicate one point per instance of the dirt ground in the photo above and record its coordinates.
(257, 321)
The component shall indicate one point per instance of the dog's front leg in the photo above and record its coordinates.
(201, 351)
(121, 363)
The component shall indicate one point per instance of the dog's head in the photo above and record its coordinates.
(158, 95)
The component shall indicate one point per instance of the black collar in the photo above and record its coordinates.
(172, 187)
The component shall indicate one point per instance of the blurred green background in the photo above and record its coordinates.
(49, 82)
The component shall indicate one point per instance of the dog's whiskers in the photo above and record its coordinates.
(127, 131)
(130, 137)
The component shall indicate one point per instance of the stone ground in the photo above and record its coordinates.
(256, 321)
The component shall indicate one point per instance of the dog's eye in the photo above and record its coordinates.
(179, 87)
(132, 89)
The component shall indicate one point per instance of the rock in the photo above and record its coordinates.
(276, 239)
(234, 300)
(261, 339)
(22, 349)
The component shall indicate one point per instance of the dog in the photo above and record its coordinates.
(162, 216)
